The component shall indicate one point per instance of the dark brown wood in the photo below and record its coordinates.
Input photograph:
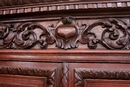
(21, 81)
(81, 72)
(106, 83)
(64, 43)
(30, 73)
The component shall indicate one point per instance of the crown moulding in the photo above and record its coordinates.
(31, 6)
(27, 2)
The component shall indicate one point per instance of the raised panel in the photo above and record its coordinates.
(22, 81)
(29, 74)
(100, 73)
(106, 83)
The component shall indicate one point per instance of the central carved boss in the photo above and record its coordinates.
(66, 33)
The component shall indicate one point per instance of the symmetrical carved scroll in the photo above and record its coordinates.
(114, 34)
(111, 33)
(66, 33)
(49, 74)
(65, 76)
(82, 74)
(28, 35)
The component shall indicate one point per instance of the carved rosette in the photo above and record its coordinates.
(83, 74)
(111, 33)
(49, 74)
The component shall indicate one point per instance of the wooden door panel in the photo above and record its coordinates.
(29, 74)
(86, 75)
(106, 83)
(22, 81)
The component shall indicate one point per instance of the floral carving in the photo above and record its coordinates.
(7, 35)
(82, 74)
(67, 33)
(24, 36)
(49, 74)
(111, 33)
(114, 34)
(27, 37)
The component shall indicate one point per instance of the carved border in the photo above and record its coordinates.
(82, 74)
(64, 6)
(65, 75)
(66, 34)
(49, 74)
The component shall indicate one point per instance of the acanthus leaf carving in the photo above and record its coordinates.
(25, 36)
(111, 33)
(49, 74)
(67, 33)
(114, 34)
(83, 74)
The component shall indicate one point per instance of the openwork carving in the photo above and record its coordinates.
(82, 74)
(49, 74)
(113, 34)
(66, 34)
(65, 76)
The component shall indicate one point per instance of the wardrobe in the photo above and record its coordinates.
(64, 43)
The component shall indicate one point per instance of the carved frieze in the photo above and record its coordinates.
(68, 33)
(49, 74)
(113, 74)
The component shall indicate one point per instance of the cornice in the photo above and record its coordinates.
(37, 6)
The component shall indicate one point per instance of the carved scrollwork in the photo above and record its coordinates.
(82, 74)
(67, 33)
(114, 34)
(25, 36)
(6, 35)
(49, 74)
(111, 33)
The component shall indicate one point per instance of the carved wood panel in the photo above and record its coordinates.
(68, 24)
(38, 74)
(109, 33)
(97, 75)
(81, 76)
(22, 81)
(106, 83)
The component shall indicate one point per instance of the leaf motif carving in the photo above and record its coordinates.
(49, 74)
(82, 74)
(67, 34)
